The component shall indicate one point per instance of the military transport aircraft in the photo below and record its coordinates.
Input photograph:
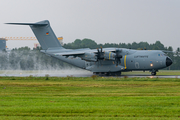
(104, 61)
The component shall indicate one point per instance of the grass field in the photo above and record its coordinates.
(89, 98)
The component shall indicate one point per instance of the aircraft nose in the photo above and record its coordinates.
(168, 61)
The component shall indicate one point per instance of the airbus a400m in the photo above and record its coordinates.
(107, 61)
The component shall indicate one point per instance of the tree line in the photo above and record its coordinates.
(26, 59)
(88, 43)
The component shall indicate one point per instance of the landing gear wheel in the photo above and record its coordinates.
(111, 74)
(107, 74)
(118, 73)
(114, 74)
(153, 73)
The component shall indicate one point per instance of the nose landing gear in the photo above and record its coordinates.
(153, 72)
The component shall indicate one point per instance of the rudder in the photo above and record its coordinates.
(45, 35)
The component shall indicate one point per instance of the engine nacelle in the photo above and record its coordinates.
(91, 57)
(109, 55)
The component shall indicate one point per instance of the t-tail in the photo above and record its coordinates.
(44, 34)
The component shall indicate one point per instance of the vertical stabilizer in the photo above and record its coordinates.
(44, 34)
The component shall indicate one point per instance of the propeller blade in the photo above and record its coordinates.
(98, 50)
(118, 57)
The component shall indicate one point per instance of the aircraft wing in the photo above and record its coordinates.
(165, 51)
(72, 53)
(79, 52)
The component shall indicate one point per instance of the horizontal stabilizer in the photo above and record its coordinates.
(35, 24)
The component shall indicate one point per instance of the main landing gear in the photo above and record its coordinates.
(107, 73)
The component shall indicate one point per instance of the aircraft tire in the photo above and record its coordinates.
(153, 73)
(114, 74)
(118, 73)
(107, 74)
(111, 74)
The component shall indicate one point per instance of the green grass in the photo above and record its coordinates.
(89, 98)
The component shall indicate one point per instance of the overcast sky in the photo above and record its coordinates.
(104, 21)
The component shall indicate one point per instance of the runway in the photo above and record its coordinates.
(72, 73)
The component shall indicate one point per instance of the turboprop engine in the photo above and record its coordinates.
(91, 57)
(109, 55)
(113, 56)
(102, 55)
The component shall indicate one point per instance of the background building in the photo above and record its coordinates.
(2, 44)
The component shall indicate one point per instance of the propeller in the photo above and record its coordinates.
(100, 54)
(118, 57)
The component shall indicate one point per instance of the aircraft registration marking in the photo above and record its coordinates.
(125, 61)
(141, 56)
